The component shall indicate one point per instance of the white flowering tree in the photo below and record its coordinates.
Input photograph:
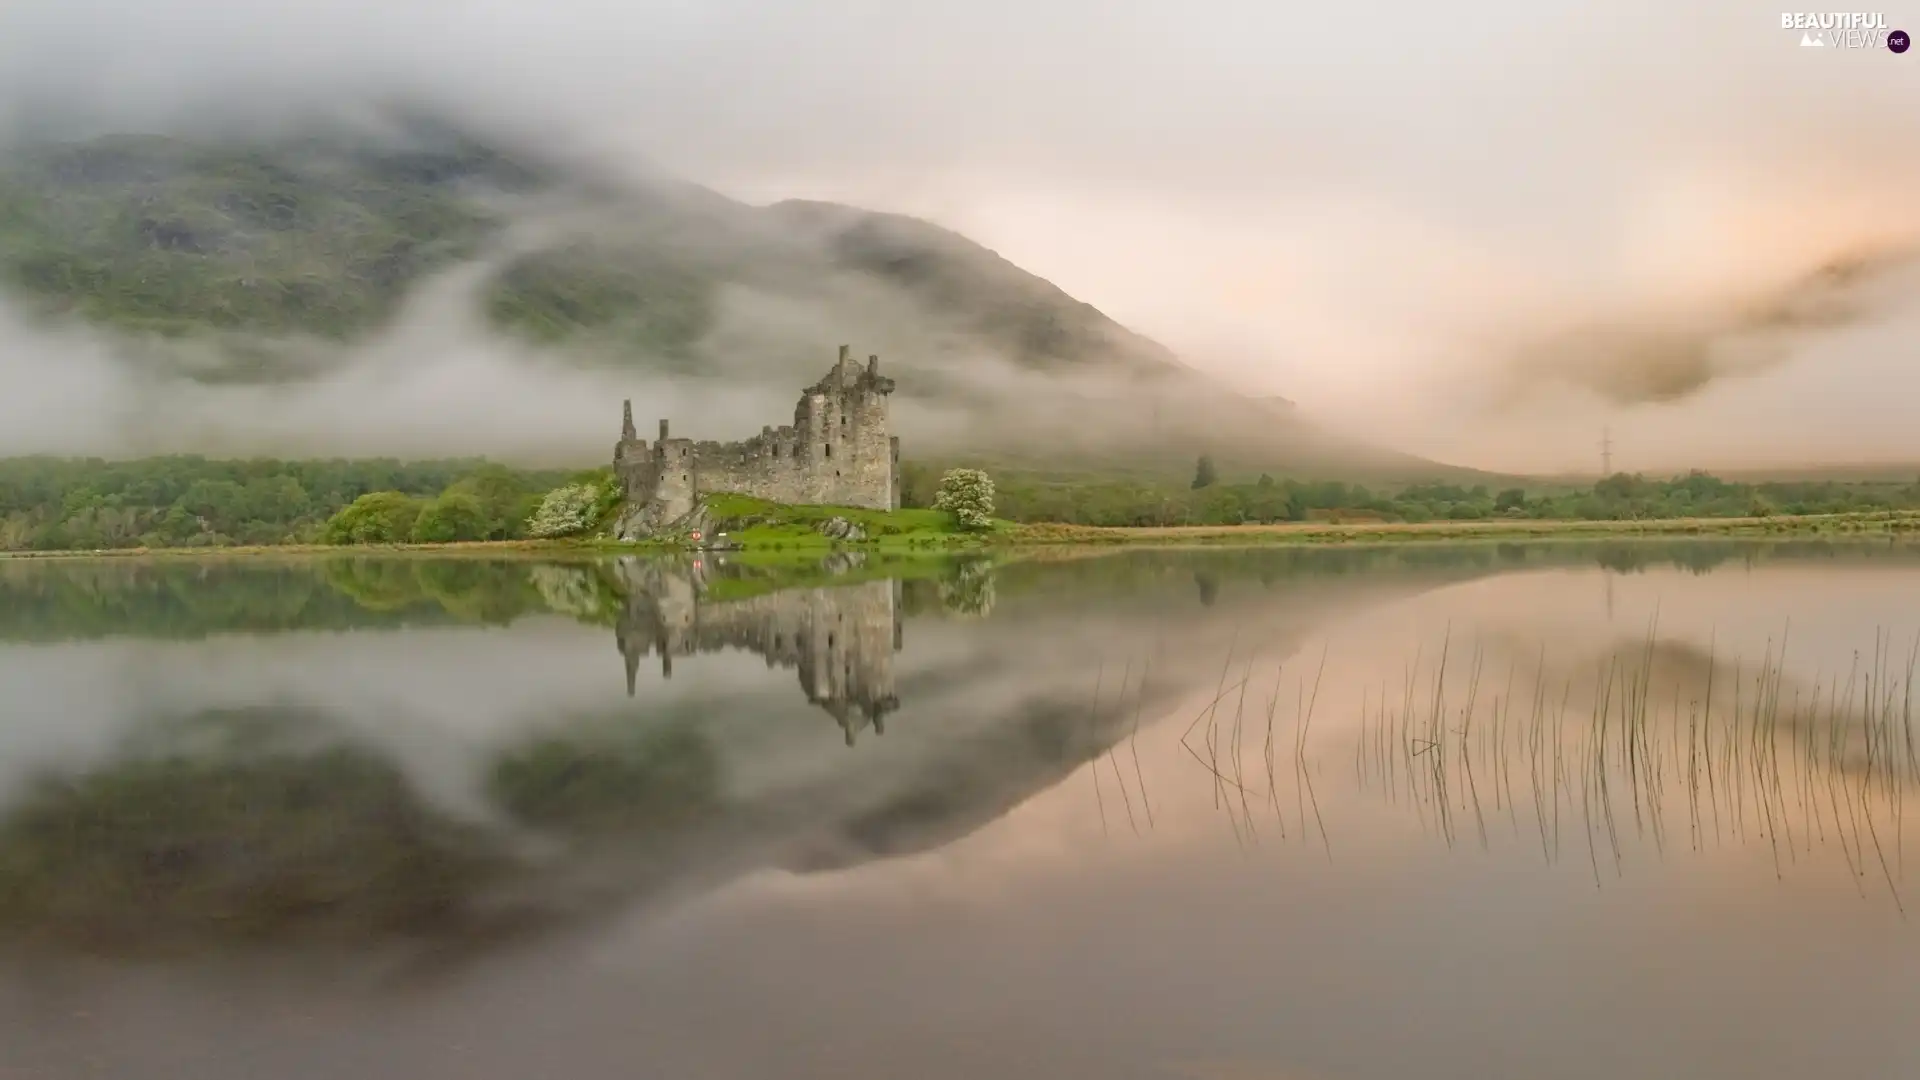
(967, 494)
(566, 511)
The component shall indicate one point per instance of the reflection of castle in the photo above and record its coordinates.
(841, 639)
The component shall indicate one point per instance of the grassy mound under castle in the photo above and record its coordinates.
(756, 523)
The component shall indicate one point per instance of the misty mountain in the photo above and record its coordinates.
(277, 260)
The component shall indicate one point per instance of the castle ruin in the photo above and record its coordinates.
(839, 451)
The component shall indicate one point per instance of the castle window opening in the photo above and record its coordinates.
(829, 449)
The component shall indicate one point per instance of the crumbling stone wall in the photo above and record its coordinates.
(839, 451)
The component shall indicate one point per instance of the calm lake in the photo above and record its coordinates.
(1569, 810)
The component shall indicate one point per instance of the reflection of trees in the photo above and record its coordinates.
(1209, 587)
(49, 600)
(1278, 566)
(581, 591)
(376, 584)
(43, 600)
(1698, 557)
(968, 589)
(471, 590)
(478, 591)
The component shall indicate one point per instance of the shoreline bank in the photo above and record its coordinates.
(1891, 525)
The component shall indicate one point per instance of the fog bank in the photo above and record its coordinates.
(1372, 216)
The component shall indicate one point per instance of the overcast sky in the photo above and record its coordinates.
(1344, 204)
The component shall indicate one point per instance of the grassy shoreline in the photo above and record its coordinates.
(1888, 524)
(1878, 523)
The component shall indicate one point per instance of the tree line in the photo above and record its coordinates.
(54, 504)
(1210, 499)
(51, 504)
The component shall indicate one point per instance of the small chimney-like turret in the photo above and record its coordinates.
(663, 431)
(873, 365)
(844, 351)
(626, 421)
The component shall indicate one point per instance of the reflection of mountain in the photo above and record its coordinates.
(418, 780)
(841, 639)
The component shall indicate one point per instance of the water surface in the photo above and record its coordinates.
(1562, 810)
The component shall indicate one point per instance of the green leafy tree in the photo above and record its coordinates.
(381, 517)
(1299, 505)
(451, 518)
(967, 494)
(503, 497)
(191, 501)
(1204, 474)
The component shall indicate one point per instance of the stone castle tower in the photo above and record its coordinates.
(839, 451)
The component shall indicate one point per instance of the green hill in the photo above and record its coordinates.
(269, 260)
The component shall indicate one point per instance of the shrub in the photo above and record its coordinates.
(504, 503)
(451, 518)
(566, 511)
(967, 494)
(379, 517)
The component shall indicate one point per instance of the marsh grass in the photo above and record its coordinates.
(1749, 757)
(1602, 764)
(1219, 743)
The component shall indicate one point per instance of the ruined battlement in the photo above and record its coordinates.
(839, 451)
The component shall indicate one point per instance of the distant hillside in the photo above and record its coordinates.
(262, 260)
(148, 234)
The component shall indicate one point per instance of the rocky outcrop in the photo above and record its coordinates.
(641, 521)
(839, 528)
